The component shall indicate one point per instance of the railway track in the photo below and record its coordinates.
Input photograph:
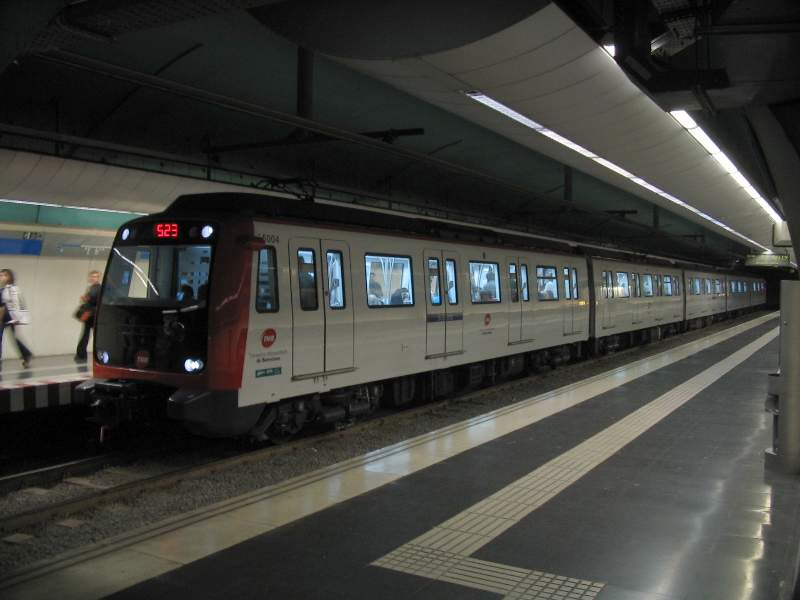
(96, 497)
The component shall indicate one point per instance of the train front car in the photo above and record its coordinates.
(171, 325)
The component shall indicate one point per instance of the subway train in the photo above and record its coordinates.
(244, 315)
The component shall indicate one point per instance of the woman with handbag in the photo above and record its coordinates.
(86, 312)
(13, 313)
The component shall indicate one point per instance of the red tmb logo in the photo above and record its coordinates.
(487, 319)
(268, 337)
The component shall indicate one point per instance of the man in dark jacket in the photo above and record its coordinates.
(87, 311)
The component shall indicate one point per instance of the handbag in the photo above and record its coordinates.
(83, 314)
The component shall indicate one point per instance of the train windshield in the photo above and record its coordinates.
(169, 276)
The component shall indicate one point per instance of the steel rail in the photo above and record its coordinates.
(130, 489)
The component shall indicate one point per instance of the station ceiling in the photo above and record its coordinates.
(364, 102)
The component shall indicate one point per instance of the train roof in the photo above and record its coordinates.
(268, 206)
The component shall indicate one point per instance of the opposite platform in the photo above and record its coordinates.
(645, 482)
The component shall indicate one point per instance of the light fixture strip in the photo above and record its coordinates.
(684, 119)
(50, 205)
(690, 125)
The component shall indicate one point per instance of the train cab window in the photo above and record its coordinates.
(513, 283)
(450, 279)
(484, 279)
(523, 276)
(335, 280)
(647, 285)
(546, 283)
(623, 285)
(667, 285)
(567, 284)
(307, 278)
(636, 286)
(267, 281)
(575, 288)
(389, 280)
(434, 286)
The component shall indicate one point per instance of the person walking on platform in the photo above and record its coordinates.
(86, 313)
(13, 313)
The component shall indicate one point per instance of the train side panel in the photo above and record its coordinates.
(390, 339)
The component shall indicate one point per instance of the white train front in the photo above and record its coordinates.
(247, 316)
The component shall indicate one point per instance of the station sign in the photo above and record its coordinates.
(767, 260)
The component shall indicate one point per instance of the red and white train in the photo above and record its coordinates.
(247, 315)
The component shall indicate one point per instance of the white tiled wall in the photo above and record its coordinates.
(51, 288)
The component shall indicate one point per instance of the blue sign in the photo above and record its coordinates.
(19, 246)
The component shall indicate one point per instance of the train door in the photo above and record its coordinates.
(322, 315)
(337, 292)
(568, 307)
(528, 307)
(444, 329)
(454, 325)
(514, 303)
(436, 317)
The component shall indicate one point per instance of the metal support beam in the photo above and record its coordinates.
(567, 183)
(305, 82)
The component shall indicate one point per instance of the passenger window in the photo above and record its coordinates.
(636, 290)
(335, 280)
(676, 285)
(708, 286)
(523, 272)
(483, 282)
(513, 284)
(623, 287)
(307, 278)
(658, 288)
(667, 285)
(575, 288)
(717, 286)
(547, 283)
(647, 284)
(695, 281)
(434, 290)
(450, 277)
(389, 280)
(567, 284)
(605, 284)
(267, 281)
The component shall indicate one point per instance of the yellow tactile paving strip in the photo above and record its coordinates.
(443, 552)
(121, 562)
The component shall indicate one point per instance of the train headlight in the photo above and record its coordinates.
(126, 233)
(102, 356)
(207, 231)
(193, 365)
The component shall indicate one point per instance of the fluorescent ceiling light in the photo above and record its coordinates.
(609, 165)
(682, 118)
(110, 210)
(610, 48)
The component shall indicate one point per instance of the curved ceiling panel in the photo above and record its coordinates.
(546, 68)
(52, 180)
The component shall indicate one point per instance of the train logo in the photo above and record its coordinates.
(268, 337)
(487, 319)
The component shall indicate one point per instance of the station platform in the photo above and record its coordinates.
(47, 383)
(643, 483)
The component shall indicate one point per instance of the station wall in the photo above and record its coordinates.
(51, 287)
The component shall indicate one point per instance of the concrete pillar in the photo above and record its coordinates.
(786, 457)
